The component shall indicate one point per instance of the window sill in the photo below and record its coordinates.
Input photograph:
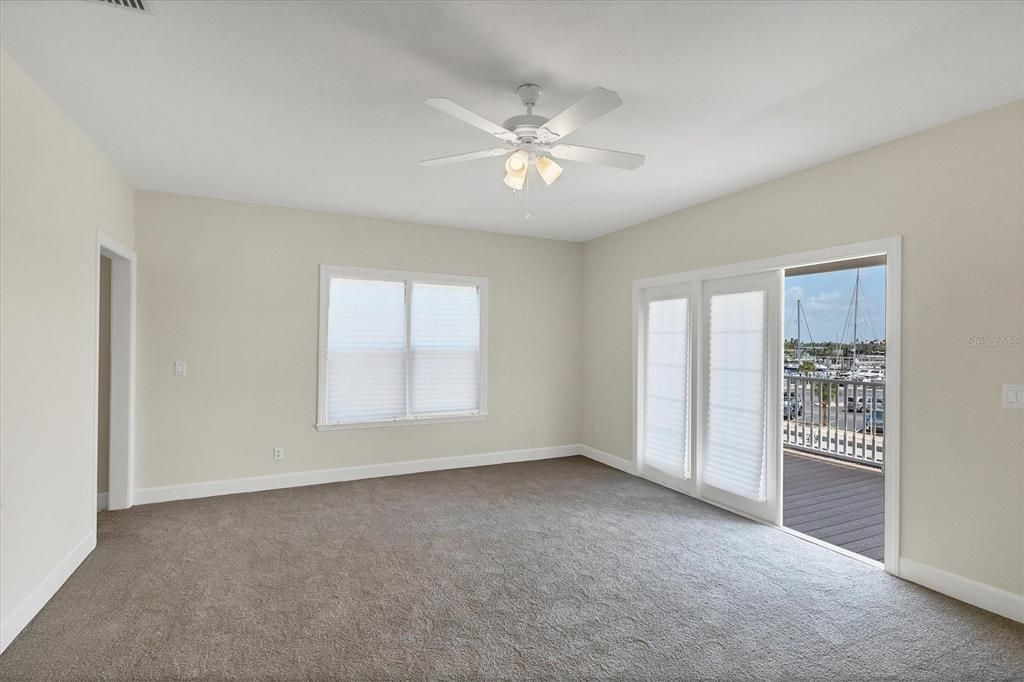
(405, 421)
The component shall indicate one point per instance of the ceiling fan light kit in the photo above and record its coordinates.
(533, 140)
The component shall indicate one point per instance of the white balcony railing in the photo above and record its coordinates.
(835, 417)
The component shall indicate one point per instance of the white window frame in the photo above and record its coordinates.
(329, 272)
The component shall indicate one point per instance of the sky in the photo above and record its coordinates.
(827, 298)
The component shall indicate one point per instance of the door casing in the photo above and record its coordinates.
(123, 277)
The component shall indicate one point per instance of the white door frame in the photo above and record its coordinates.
(123, 279)
(891, 248)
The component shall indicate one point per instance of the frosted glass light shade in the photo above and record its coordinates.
(515, 181)
(548, 169)
(517, 164)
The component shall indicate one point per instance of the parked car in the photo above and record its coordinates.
(875, 421)
(858, 402)
(792, 406)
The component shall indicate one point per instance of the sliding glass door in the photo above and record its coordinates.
(740, 386)
(708, 357)
(709, 377)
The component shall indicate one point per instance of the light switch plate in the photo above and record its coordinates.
(179, 368)
(1013, 396)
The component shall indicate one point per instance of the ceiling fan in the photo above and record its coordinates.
(529, 139)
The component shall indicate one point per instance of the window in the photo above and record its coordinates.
(400, 347)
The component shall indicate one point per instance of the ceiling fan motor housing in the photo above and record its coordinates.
(526, 126)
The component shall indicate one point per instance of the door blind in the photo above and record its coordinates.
(666, 433)
(734, 453)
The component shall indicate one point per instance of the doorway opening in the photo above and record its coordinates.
(834, 404)
(103, 411)
(115, 372)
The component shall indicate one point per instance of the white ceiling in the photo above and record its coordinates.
(319, 105)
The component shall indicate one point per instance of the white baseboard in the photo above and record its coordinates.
(609, 459)
(102, 501)
(300, 478)
(44, 591)
(982, 595)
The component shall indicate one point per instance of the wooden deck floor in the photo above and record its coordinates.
(841, 505)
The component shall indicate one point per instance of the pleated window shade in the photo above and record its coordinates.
(366, 351)
(734, 450)
(666, 432)
(445, 357)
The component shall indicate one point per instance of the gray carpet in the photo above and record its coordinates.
(557, 569)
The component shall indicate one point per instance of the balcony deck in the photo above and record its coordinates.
(840, 504)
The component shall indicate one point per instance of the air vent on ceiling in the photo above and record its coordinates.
(136, 5)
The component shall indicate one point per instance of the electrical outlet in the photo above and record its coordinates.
(278, 453)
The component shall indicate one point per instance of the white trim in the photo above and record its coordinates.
(893, 372)
(404, 421)
(891, 247)
(327, 272)
(123, 286)
(102, 501)
(608, 459)
(379, 274)
(979, 594)
(251, 484)
(874, 247)
(23, 614)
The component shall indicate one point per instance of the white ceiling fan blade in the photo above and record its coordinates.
(466, 116)
(603, 157)
(468, 156)
(594, 104)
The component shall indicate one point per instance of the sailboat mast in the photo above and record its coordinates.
(856, 300)
(798, 310)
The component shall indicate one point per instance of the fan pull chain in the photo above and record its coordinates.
(527, 183)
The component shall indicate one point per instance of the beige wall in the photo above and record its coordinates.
(954, 193)
(233, 290)
(56, 190)
(103, 409)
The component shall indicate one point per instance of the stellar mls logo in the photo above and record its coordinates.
(992, 341)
